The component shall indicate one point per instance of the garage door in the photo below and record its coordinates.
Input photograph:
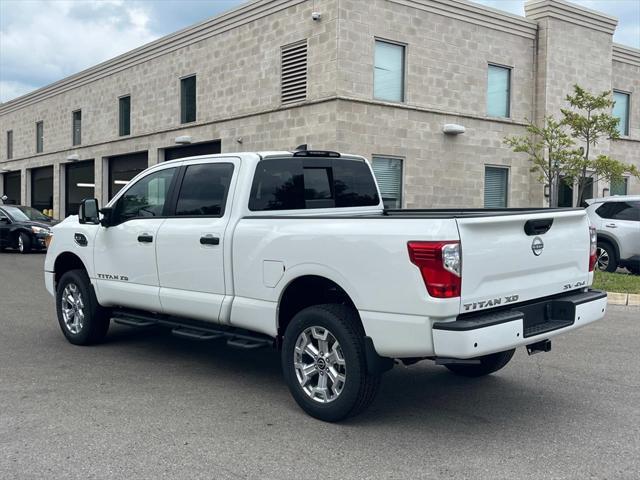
(205, 148)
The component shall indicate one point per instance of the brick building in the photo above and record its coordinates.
(379, 78)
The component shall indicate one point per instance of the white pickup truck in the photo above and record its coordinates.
(295, 250)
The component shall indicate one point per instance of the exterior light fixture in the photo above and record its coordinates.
(239, 140)
(5, 169)
(316, 16)
(453, 129)
(547, 190)
(183, 140)
(74, 157)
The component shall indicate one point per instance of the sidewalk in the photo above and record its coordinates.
(630, 299)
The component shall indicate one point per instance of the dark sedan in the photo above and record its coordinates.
(24, 228)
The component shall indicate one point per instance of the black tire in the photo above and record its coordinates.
(95, 323)
(488, 364)
(611, 265)
(359, 388)
(634, 268)
(24, 242)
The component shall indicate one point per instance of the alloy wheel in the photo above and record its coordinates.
(72, 308)
(602, 259)
(20, 244)
(319, 364)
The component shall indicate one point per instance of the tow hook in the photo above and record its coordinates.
(538, 347)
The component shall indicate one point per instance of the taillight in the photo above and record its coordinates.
(440, 265)
(593, 248)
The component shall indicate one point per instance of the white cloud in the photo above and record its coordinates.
(43, 41)
(72, 36)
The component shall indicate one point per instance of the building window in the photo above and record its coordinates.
(293, 68)
(124, 109)
(80, 184)
(388, 77)
(42, 188)
(620, 187)
(39, 137)
(77, 127)
(388, 172)
(496, 186)
(188, 99)
(498, 91)
(621, 111)
(9, 144)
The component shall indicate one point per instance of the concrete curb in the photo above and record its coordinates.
(630, 299)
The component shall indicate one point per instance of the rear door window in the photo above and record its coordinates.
(308, 183)
(204, 190)
(620, 211)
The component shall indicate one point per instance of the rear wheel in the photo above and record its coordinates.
(324, 363)
(488, 364)
(82, 320)
(24, 243)
(606, 260)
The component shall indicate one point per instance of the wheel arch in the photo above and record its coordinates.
(13, 235)
(605, 238)
(307, 290)
(65, 262)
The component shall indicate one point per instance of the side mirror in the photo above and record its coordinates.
(88, 212)
(4, 221)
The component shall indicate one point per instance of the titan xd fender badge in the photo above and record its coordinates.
(537, 246)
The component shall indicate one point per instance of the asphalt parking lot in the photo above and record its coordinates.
(148, 405)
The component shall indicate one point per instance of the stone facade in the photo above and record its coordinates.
(236, 59)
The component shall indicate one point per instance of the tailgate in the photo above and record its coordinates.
(511, 258)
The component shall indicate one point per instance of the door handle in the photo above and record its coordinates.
(611, 225)
(145, 238)
(209, 240)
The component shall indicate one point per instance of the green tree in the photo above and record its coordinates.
(551, 151)
(590, 121)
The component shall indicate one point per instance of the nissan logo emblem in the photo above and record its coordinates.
(537, 246)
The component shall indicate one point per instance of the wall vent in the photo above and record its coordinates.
(294, 72)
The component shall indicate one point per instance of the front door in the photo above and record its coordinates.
(125, 253)
(191, 243)
(5, 225)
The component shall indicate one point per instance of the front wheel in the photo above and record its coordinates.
(488, 364)
(82, 320)
(24, 243)
(324, 363)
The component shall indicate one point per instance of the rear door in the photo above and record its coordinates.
(191, 243)
(621, 220)
(518, 257)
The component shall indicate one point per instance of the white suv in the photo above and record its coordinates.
(617, 221)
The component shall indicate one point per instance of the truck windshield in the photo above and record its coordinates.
(23, 214)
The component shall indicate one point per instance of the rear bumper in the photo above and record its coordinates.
(481, 334)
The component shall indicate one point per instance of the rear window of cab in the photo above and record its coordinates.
(300, 183)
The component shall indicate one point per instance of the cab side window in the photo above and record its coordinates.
(204, 190)
(297, 183)
(620, 211)
(146, 198)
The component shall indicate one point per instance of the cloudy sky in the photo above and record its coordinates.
(42, 41)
